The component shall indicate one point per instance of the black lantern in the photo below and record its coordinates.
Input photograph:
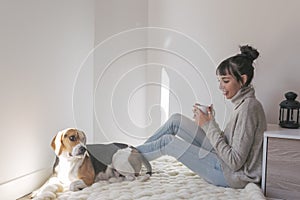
(289, 111)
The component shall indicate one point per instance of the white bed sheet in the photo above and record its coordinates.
(170, 180)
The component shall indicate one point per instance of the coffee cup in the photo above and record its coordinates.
(203, 108)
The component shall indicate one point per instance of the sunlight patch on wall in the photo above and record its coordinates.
(165, 95)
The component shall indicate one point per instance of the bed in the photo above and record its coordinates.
(170, 180)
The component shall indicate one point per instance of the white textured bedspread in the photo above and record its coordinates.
(170, 180)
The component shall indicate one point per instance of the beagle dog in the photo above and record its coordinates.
(78, 165)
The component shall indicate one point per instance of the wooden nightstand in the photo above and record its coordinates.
(281, 163)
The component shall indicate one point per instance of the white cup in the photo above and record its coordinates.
(203, 108)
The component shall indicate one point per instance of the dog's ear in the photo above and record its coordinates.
(82, 137)
(56, 143)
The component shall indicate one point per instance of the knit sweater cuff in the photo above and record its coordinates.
(205, 126)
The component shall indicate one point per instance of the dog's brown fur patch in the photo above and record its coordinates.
(86, 171)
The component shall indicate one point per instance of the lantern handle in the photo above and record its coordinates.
(290, 96)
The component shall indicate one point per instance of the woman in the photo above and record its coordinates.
(229, 158)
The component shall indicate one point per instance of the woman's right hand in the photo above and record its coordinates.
(200, 117)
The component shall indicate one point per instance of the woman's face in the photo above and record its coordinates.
(229, 85)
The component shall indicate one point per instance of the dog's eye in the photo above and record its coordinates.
(72, 138)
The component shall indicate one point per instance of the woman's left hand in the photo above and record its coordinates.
(200, 117)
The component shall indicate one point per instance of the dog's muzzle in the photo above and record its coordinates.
(78, 150)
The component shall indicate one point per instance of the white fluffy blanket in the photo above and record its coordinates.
(170, 180)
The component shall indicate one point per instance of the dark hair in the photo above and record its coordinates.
(239, 64)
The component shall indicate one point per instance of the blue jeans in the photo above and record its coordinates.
(182, 139)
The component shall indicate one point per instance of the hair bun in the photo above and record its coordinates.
(249, 52)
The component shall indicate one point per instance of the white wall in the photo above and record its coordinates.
(42, 46)
(272, 26)
(119, 71)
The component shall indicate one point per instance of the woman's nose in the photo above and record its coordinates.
(221, 86)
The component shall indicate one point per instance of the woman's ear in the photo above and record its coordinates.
(244, 79)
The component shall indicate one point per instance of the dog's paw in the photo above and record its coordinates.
(144, 178)
(102, 176)
(115, 179)
(129, 178)
(47, 192)
(77, 185)
(47, 195)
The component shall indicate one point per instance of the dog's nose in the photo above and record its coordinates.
(82, 149)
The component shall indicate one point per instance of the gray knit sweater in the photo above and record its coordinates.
(239, 146)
